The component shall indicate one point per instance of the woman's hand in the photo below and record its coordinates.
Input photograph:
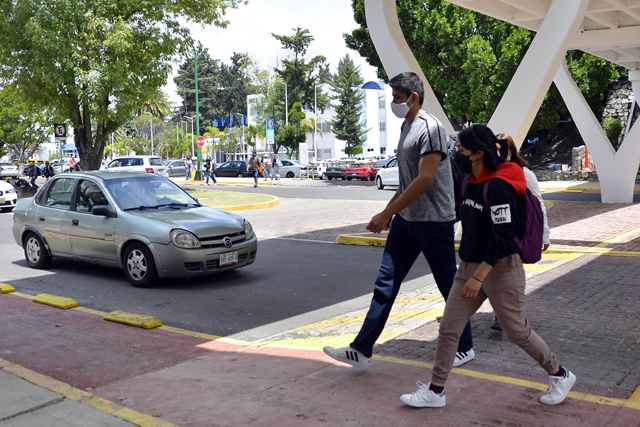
(471, 288)
(545, 247)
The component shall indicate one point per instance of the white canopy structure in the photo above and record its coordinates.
(609, 29)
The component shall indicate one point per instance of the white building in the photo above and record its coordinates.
(383, 127)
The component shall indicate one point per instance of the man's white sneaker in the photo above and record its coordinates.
(463, 357)
(559, 387)
(424, 398)
(348, 355)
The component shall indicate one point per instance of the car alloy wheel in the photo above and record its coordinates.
(139, 266)
(379, 183)
(35, 253)
(240, 175)
(324, 176)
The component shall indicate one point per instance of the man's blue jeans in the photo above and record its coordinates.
(256, 174)
(405, 242)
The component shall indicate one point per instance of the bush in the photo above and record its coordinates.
(350, 151)
(613, 129)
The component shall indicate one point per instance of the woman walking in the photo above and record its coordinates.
(490, 268)
(187, 168)
(209, 171)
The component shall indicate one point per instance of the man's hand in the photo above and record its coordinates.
(545, 247)
(471, 288)
(380, 222)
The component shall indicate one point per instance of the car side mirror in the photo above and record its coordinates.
(104, 210)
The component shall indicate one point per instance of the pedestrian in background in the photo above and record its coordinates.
(254, 168)
(490, 267)
(72, 163)
(210, 168)
(33, 173)
(267, 167)
(48, 171)
(187, 168)
(420, 218)
(277, 164)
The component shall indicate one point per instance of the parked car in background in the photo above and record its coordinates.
(8, 170)
(292, 169)
(60, 166)
(337, 170)
(388, 175)
(363, 172)
(8, 196)
(140, 222)
(175, 167)
(236, 168)
(150, 164)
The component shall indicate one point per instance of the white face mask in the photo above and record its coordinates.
(400, 110)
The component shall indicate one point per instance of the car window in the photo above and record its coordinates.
(141, 192)
(225, 165)
(88, 196)
(115, 164)
(155, 161)
(59, 194)
(392, 164)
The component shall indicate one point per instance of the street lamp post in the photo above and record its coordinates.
(151, 128)
(286, 102)
(192, 144)
(315, 123)
(198, 173)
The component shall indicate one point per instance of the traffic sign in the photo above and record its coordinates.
(60, 130)
(200, 141)
(270, 131)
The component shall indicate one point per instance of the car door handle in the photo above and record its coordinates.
(75, 222)
(41, 219)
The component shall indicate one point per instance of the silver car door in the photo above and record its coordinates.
(92, 236)
(52, 216)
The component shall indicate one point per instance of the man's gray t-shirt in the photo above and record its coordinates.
(425, 135)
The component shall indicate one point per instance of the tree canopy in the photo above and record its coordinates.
(91, 63)
(470, 58)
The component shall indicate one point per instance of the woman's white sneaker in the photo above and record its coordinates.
(424, 398)
(559, 387)
(348, 355)
(463, 357)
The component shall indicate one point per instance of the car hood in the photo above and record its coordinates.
(201, 221)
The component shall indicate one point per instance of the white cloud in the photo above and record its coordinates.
(251, 27)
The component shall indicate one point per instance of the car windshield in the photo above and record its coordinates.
(156, 161)
(148, 192)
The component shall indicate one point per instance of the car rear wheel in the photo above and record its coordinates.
(35, 253)
(290, 175)
(324, 176)
(240, 175)
(379, 183)
(370, 178)
(139, 266)
(329, 178)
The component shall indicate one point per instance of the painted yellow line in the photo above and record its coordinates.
(274, 202)
(634, 400)
(138, 320)
(83, 397)
(618, 238)
(52, 300)
(573, 190)
(5, 289)
(205, 336)
(628, 403)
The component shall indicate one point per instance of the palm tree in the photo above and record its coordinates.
(156, 104)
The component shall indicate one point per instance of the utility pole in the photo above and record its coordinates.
(198, 173)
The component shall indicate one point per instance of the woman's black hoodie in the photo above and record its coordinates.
(488, 236)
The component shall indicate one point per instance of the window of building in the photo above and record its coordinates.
(369, 150)
(383, 150)
(383, 127)
(381, 104)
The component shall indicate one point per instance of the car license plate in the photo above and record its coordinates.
(228, 259)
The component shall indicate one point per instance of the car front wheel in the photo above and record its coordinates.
(139, 266)
(35, 253)
(290, 175)
(379, 183)
(324, 176)
(240, 175)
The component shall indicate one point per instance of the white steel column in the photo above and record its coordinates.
(396, 57)
(528, 87)
(616, 170)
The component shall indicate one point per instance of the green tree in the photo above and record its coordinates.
(347, 124)
(94, 62)
(295, 132)
(300, 73)
(470, 58)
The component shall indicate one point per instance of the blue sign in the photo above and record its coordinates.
(270, 131)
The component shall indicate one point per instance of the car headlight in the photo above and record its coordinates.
(11, 190)
(248, 230)
(184, 239)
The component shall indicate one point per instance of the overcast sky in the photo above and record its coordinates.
(251, 26)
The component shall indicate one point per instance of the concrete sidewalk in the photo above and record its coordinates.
(69, 367)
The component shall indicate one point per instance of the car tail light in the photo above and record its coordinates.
(150, 170)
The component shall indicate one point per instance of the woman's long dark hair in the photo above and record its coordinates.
(513, 152)
(481, 138)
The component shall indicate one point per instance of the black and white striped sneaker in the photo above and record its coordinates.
(348, 355)
(463, 357)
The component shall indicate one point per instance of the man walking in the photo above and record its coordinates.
(420, 218)
(33, 173)
(254, 168)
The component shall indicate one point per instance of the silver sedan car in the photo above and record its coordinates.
(140, 222)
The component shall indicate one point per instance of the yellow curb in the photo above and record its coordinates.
(5, 289)
(60, 302)
(274, 202)
(592, 251)
(354, 239)
(628, 403)
(88, 399)
(139, 320)
(573, 190)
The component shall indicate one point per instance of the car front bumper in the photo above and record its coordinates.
(8, 200)
(174, 262)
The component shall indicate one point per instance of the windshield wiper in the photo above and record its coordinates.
(174, 205)
(141, 208)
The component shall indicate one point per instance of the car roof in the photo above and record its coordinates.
(106, 175)
(135, 156)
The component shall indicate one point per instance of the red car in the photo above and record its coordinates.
(363, 172)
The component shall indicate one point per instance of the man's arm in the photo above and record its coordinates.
(426, 173)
